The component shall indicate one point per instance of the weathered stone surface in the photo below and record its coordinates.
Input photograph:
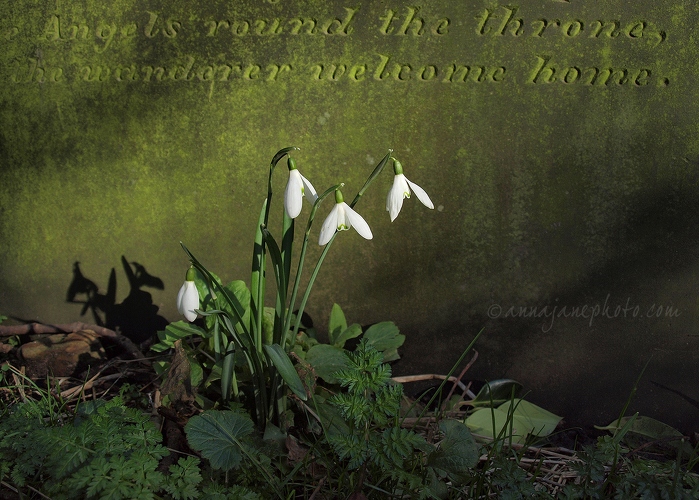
(559, 141)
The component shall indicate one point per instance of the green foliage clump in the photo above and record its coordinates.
(369, 404)
(105, 450)
(609, 470)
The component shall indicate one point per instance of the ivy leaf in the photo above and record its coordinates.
(217, 435)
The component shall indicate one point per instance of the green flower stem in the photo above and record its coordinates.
(306, 294)
(302, 258)
(379, 168)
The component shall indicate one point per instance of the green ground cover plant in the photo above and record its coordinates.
(278, 413)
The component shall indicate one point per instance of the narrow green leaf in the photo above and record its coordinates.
(287, 247)
(278, 266)
(280, 154)
(257, 280)
(227, 372)
(281, 361)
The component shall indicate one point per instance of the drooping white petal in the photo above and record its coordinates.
(329, 225)
(356, 220)
(394, 200)
(179, 298)
(293, 196)
(309, 191)
(421, 194)
(188, 300)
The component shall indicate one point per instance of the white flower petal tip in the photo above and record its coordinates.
(341, 218)
(297, 188)
(399, 191)
(188, 301)
(421, 195)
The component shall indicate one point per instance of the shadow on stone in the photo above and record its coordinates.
(136, 317)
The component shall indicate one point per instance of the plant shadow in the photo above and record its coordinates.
(136, 317)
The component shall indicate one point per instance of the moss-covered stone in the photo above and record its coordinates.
(548, 134)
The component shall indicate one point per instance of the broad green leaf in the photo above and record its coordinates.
(496, 392)
(281, 361)
(351, 332)
(457, 452)
(217, 435)
(275, 437)
(326, 360)
(333, 423)
(176, 331)
(337, 325)
(481, 422)
(240, 290)
(384, 336)
(390, 355)
(196, 373)
(161, 367)
(652, 429)
(646, 426)
(541, 422)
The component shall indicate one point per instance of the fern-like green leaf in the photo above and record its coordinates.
(184, 478)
